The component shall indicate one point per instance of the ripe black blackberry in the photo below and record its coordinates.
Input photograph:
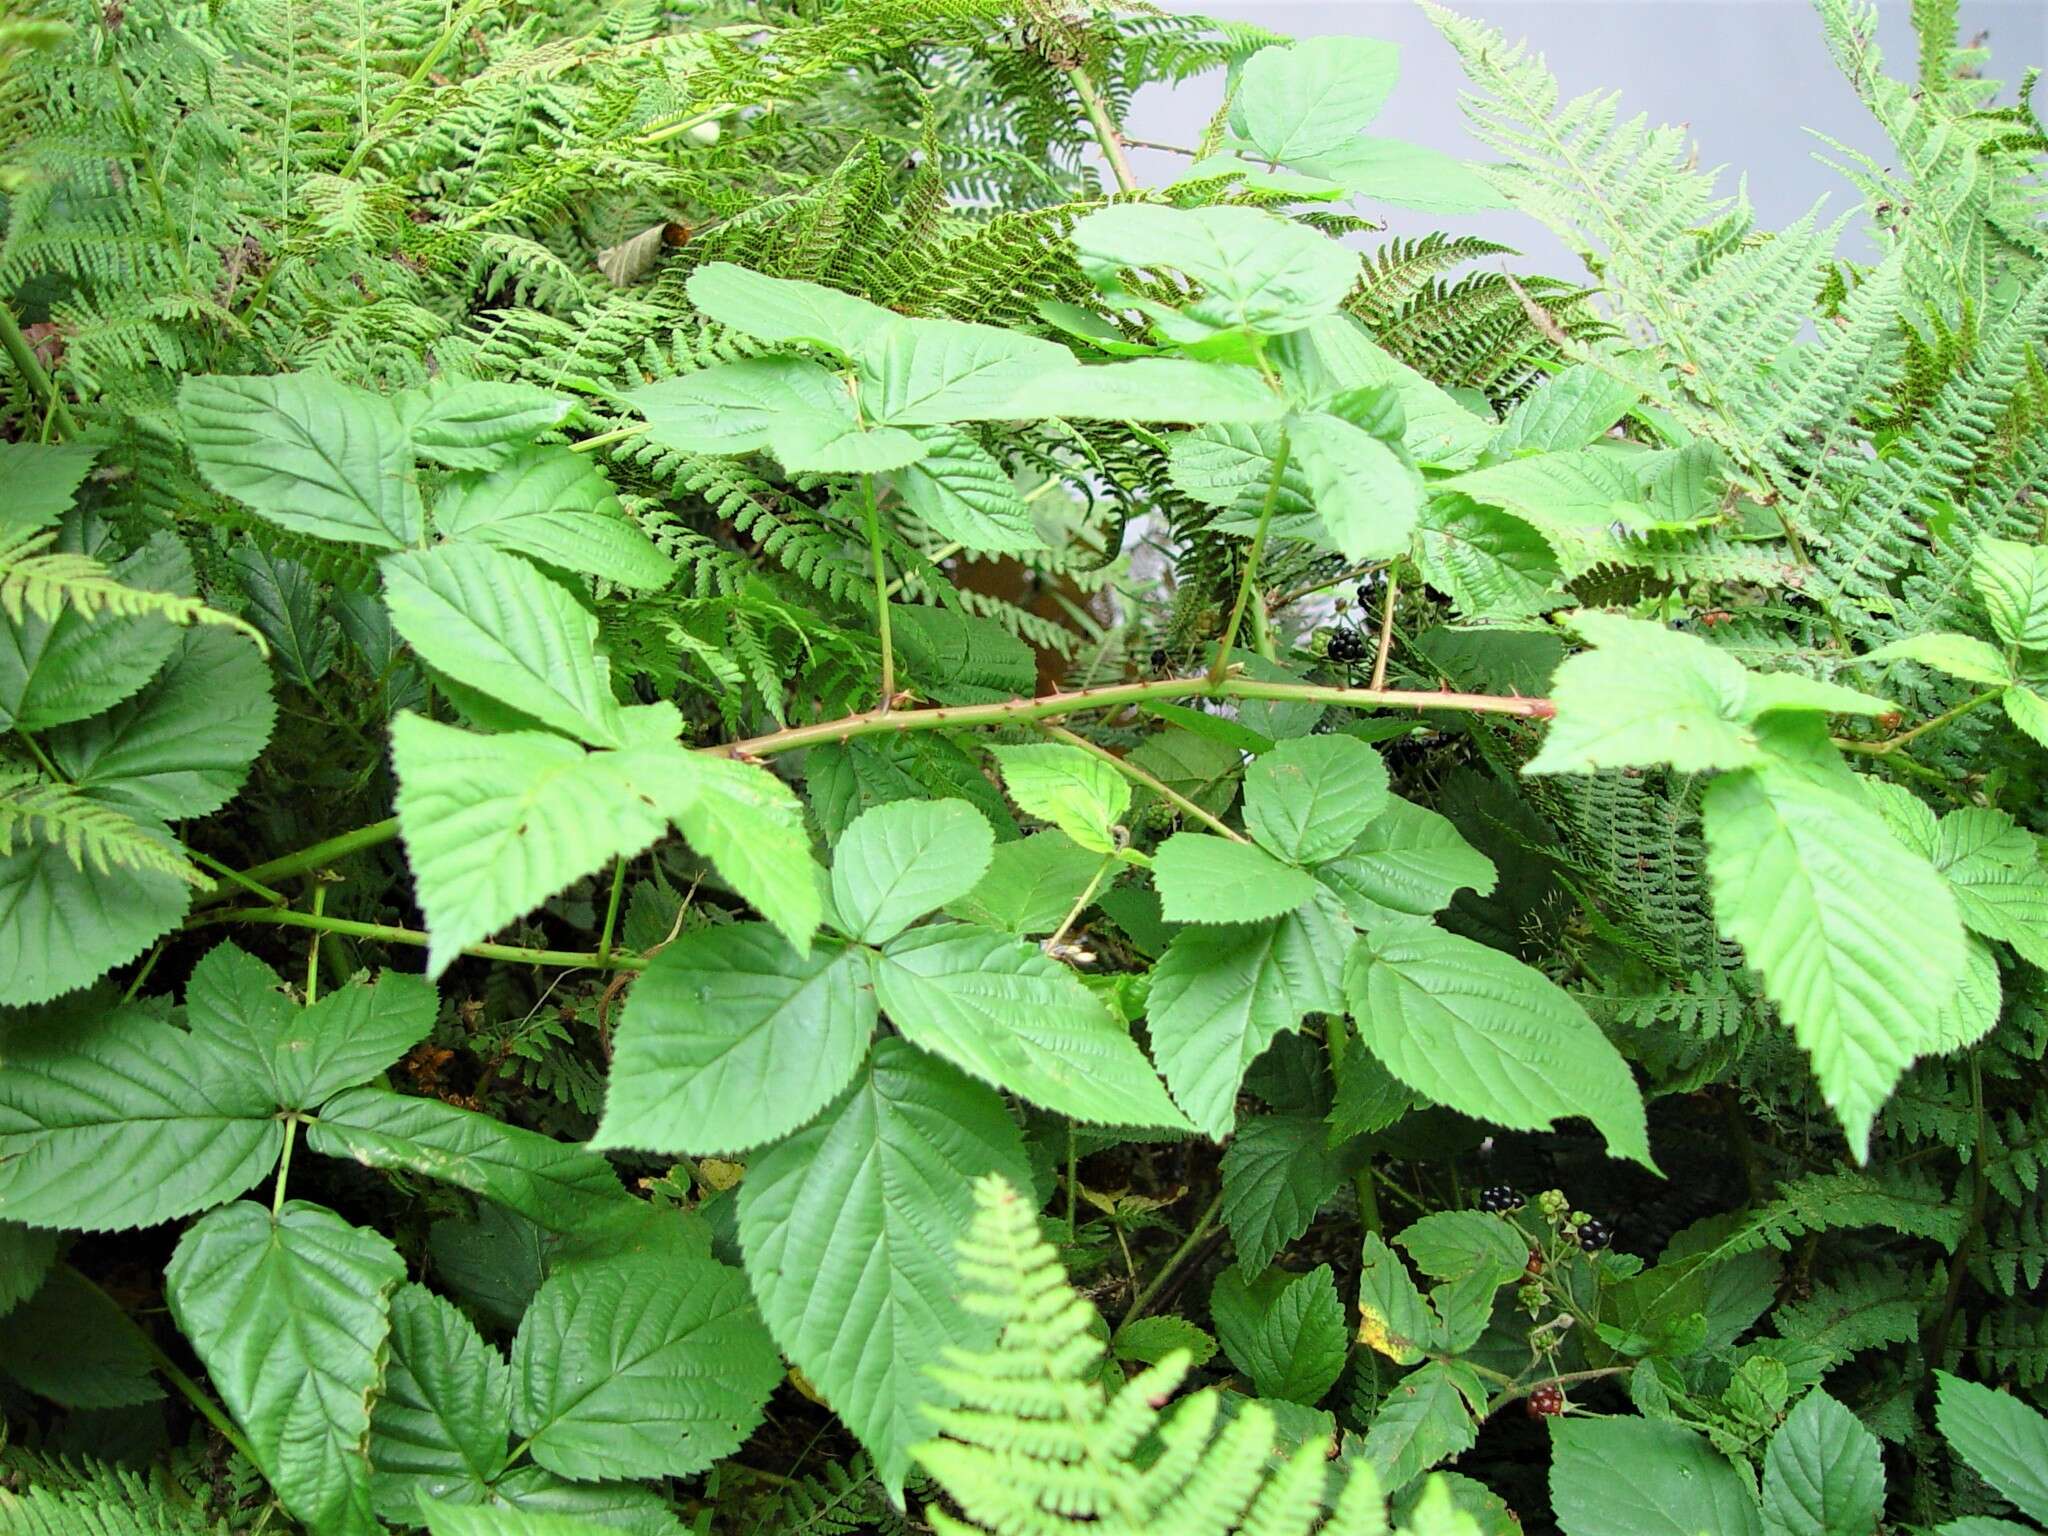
(1159, 658)
(1346, 644)
(1595, 1235)
(1500, 1198)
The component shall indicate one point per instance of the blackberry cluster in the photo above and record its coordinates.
(1595, 1235)
(1498, 1199)
(1159, 659)
(1346, 644)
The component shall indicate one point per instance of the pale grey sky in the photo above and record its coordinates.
(1748, 76)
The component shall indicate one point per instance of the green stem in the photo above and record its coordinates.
(30, 367)
(1204, 1225)
(387, 934)
(1010, 712)
(611, 911)
(455, 25)
(1386, 645)
(874, 522)
(262, 892)
(1251, 565)
(313, 956)
(1892, 744)
(35, 751)
(321, 854)
(142, 972)
(1107, 134)
(1138, 775)
(189, 1389)
(661, 133)
(617, 435)
(1081, 904)
(284, 1166)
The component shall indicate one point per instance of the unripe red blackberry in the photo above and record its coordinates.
(1546, 1402)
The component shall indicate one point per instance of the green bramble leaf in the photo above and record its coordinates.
(169, 1122)
(1408, 862)
(730, 1040)
(898, 862)
(2027, 708)
(553, 506)
(1369, 498)
(1479, 1031)
(1635, 1477)
(1646, 694)
(781, 309)
(1220, 995)
(1277, 1173)
(1074, 790)
(1575, 409)
(26, 1255)
(849, 1229)
(477, 424)
(70, 1342)
(1961, 656)
(441, 1425)
(1260, 274)
(1823, 1473)
(962, 493)
(494, 623)
(1858, 938)
(1002, 1010)
(2012, 580)
(1407, 175)
(1308, 97)
(494, 825)
(182, 746)
(308, 453)
(1310, 798)
(556, 1185)
(1286, 1332)
(1424, 1419)
(304, 1055)
(2003, 1440)
(795, 409)
(41, 479)
(648, 1364)
(289, 1314)
(1165, 389)
(1031, 885)
(1202, 878)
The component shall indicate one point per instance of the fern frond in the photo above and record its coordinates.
(1036, 1445)
(90, 833)
(95, 1499)
(34, 579)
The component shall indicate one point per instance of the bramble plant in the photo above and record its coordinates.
(737, 796)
